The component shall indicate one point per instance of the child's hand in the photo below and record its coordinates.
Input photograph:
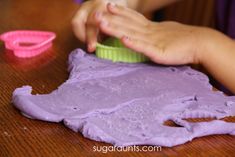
(173, 43)
(165, 42)
(84, 24)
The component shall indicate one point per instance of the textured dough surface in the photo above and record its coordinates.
(127, 104)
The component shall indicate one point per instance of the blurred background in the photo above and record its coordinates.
(194, 12)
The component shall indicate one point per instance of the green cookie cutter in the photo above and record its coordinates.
(113, 49)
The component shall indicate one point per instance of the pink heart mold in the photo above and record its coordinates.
(25, 44)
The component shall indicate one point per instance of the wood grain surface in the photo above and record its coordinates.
(23, 137)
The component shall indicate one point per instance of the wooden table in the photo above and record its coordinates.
(20, 136)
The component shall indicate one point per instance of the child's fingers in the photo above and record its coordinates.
(92, 30)
(118, 26)
(122, 22)
(126, 12)
(91, 18)
(79, 26)
(91, 37)
(118, 30)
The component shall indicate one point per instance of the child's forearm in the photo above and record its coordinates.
(219, 59)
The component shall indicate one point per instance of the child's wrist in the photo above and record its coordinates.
(213, 43)
(206, 44)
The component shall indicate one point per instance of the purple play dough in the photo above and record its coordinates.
(127, 104)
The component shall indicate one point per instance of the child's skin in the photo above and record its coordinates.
(168, 43)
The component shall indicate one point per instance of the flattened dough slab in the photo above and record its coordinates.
(127, 104)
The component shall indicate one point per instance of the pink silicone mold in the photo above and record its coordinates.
(26, 43)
